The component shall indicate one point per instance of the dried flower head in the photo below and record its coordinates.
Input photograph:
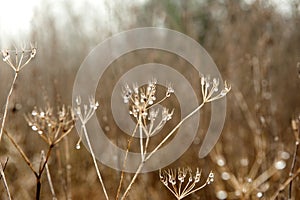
(84, 113)
(182, 182)
(51, 126)
(210, 89)
(142, 102)
(18, 58)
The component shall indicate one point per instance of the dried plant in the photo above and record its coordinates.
(43, 158)
(142, 101)
(84, 115)
(17, 60)
(182, 182)
(296, 130)
(4, 179)
(252, 179)
(253, 183)
(52, 128)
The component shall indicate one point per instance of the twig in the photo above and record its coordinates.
(4, 166)
(94, 160)
(25, 158)
(296, 129)
(285, 184)
(7, 103)
(124, 162)
(41, 170)
(4, 181)
(48, 176)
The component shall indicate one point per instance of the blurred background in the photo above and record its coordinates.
(254, 43)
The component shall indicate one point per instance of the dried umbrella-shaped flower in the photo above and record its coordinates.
(51, 127)
(17, 60)
(84, 115)
(142, 103)
(182, 182)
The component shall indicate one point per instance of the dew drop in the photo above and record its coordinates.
(221, 162)
(77, 146)
(280, 164)
(42, 114)
(34, 113)
(225, 176)
(34, 128)
(249, 180)
(259, 195)
(221, 194)
(284, 155)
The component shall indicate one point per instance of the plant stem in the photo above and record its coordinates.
(285, 184)
(41, 170)
(124, 162)
(94, 160)
(4, 181)
(7, 103)
(38, 188)
(133, 180)
(293, 168)
(26, 159)
(174, 129)
(48, 176)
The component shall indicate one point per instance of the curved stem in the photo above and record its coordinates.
(174, 129)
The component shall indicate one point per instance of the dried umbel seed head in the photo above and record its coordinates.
(142, 99)
(182, 182)
(210, 89)
(84, 113)
(52, 127)
(18, 58)
(142, 102)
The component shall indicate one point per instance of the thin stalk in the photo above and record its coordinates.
(293, 168)
(7, 103)
(285, 184)
(25, 158)
(174, 129)
(94, 160)
(41, 170)
(133, 180)
(4, 181)
(141, 142)
(124, 162)
(49, 177)
(297, 133)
